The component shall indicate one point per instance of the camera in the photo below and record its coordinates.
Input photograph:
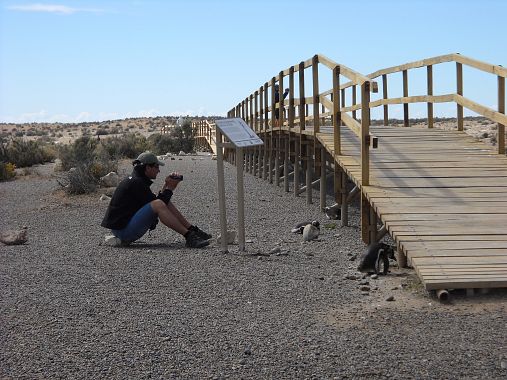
(176, 177)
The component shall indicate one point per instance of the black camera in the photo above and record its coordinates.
(176, 177)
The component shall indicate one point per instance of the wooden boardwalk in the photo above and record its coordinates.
(439, 194)
(442, 196)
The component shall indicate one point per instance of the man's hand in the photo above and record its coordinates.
(171, 182)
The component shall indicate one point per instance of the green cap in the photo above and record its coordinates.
(149, 158)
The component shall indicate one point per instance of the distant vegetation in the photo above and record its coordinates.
(95, 150)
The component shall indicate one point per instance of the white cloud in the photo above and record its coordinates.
(51, 8)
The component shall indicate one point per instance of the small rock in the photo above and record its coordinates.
(242, 361)
(104, 198)
(110, 180)
(248, 351)
(231, 237)
(364, 282)
(351, 277)
(364, 288)
(274, 251)
(374, 276)
(390, 298)
(353, 258)
(14, 237)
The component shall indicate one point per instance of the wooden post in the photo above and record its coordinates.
(291, 98)
(405, 94)
(322, 179)
(221, 192)
(354, 101)
(261, 129)
(501, 109)
(365, 219)
(241, 200)
(316, 112)
(256, 149)
(337, 121)
(384, 96)
(297, 158)
(273, 122)
(337, 115)
(372, 233)
(279, 131)
(343, 101)
(300, 149)
(290, 136)
(266, 139)
(309, 166)
(459, 91)
(316, 100)
(344, 203)
(429, 80)
(286, 163)
(365, 133)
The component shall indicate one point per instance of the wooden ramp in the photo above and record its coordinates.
(205, 135)
(442, 196)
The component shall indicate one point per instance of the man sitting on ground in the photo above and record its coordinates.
(134, 209)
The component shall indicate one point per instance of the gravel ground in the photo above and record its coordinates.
(71, 307)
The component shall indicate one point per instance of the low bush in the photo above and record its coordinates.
(180, 138)
(26, 153)
(7, 171)
(79, 180)
(85, 161)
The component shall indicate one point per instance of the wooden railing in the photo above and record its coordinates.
(458, 97)
(205, 129)
(258, 108)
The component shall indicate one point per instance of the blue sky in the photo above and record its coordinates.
(73, 61)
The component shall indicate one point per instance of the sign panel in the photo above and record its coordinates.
(238, 132)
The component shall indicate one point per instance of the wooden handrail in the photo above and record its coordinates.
(365, 83)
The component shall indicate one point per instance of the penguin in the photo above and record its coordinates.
(376, 258)
(298, 228)
(311, 231)
(333, 212)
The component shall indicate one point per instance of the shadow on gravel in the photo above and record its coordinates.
(145, 245)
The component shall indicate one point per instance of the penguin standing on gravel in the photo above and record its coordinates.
(376, 258)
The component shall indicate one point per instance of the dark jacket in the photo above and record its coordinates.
(277, 100)
(131, 194)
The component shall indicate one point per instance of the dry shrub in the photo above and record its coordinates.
(7, 171)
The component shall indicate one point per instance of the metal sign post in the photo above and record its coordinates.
(240, 135)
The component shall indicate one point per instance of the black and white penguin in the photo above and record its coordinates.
(298, 228)
(376, 258)
(333, 212)
(311, 231)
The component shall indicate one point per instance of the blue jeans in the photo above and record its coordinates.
(138, 225)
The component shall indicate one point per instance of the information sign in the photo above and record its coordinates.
(238, 132)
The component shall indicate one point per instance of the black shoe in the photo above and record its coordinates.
(194, 241)
(203, 235)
